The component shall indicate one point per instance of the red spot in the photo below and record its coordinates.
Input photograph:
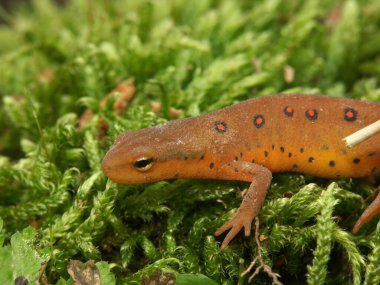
(259, 121)
(350, 114)
(220, 127)
(311, 114)
(288, 110)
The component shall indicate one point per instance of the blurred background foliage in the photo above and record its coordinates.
(186, 58)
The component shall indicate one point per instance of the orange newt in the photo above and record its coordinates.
(250, 140)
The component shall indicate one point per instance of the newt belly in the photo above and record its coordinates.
(250, 140)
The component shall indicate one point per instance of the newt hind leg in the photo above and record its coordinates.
(372, 210)
(254, 197)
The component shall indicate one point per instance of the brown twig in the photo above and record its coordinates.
(260, 260)
(41, 277)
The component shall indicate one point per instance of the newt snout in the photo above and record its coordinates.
(109, 164)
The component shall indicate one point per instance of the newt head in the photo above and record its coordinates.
(156, 153)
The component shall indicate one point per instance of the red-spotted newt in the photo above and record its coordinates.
(250, 140)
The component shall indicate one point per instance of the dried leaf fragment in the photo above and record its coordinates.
(126, 90)
(174, 113)
(46, 76)
(84, 273)
(159, 277)
(289, 74)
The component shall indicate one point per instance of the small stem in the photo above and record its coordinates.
(260, 260)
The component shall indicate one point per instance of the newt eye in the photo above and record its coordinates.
(143, 164)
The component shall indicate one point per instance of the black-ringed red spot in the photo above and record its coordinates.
(220, 126)
(311, 114)
(258, 121)
(350, 114)
(289, 111)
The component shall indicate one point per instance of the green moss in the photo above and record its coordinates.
(196, 56)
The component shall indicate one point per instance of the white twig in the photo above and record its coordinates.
(362, 134)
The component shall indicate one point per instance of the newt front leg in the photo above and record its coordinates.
(253, 199)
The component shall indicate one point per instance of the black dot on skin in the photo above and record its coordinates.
(289, 154)
(272, 146)
(325, 147)
(282, 149)
(236, 158)
(311, 159)
(253, 161)
(202, 157)
(295, 165)
(311, 114)
(236, 170)
(371, 153)
(332, 163)
(212, 165)
(185, 158)
(356, 160)
(301, 150)
(241, 154)
(265, 153)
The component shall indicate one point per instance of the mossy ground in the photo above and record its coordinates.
(196, 56)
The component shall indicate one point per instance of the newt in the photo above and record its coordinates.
(249, 141)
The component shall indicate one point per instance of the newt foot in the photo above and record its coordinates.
(239, 220)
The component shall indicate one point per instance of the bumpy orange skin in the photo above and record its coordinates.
(299, 133)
